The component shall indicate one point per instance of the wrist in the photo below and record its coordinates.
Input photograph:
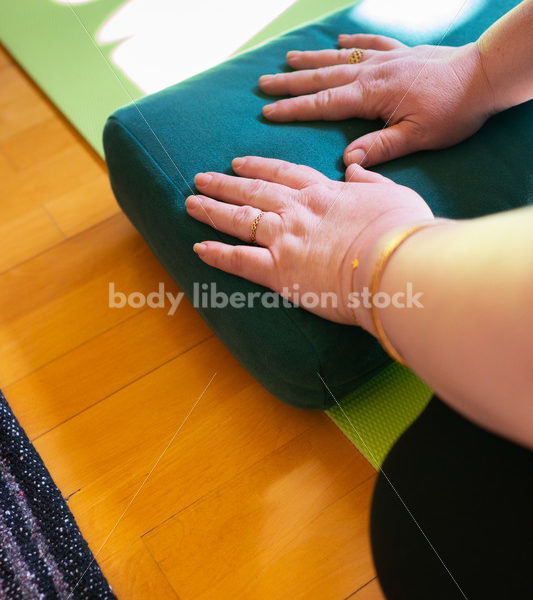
(470, 68)
(372, 265)
(477, 48)
(499, 75)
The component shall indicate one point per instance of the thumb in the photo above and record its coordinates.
(384, 145)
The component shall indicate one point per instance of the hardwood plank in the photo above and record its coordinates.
(135, 575)
(371, 591)
(20, 107)
(26, 236)
(60, 299)
(47, 179)
(45, 138)
(62, 269)
(6, 169)
(103, 365)
(107, 450)
(277, 531)
(87, 205)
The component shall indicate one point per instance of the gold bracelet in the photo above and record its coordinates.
(381, 263)
(355, 264)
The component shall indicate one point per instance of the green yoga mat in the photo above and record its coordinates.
(68, 46)
(54, 40)
(375, 415)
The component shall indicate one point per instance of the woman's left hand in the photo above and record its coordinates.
(311, 231)
(430, 97)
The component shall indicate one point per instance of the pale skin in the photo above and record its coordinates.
(471, 341)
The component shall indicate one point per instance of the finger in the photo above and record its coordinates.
(369, 41)
(313, 59)
(277, 171)
(250, 262)
(307, 81)
(357, 174)
(234, 220)
(384, 145)
(239, 190)
(329, 105)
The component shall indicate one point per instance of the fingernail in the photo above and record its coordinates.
(268, 109)
(202, 179)
(265, 79)
(293, 54)
(238, 162)
(192, 202)
(343, 36)
(356, 156)
(199, 249)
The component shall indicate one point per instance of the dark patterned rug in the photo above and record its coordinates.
(42, 552)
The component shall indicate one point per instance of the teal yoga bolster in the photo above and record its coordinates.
(154, 149)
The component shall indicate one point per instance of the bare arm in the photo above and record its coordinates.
(506, 50)
(473, 340)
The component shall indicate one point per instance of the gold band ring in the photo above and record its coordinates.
(356, 56)
(253, 228)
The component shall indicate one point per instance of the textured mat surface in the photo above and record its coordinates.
(42, 552)
(377, 414)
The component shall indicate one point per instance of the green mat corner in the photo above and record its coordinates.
(375, 415)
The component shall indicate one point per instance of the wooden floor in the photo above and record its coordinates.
(251, 499)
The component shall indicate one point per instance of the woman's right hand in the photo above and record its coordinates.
(430, 97)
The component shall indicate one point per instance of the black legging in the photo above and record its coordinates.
(471, 493)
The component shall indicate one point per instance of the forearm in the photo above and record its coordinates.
(506, 49)
(472, 340)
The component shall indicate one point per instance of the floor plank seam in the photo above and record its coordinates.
(67, 498)
(26, 260)
(43, 206)
(250, 468)
(339, 498)
(228, 481)
(73, 349)
(360, 588)
(123, 387)
(147, 548)
(67, 239)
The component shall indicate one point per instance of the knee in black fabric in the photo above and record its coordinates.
(470, 493)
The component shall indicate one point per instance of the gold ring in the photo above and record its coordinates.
(253, 228)
(356, 56)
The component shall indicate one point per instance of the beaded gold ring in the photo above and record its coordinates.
(253, 228)
(356, 56)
